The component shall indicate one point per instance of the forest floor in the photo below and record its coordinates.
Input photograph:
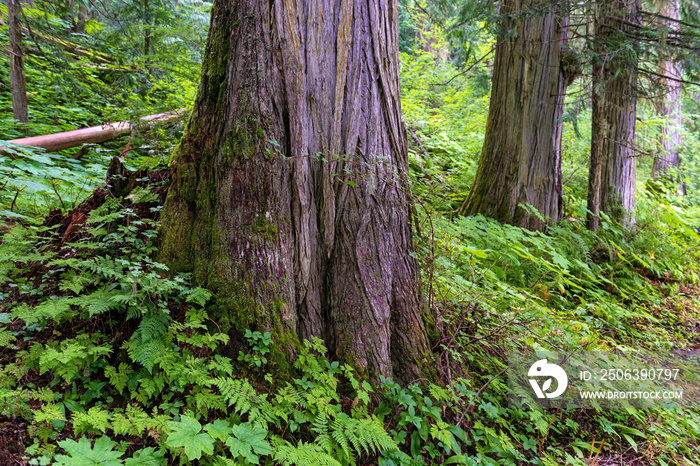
(681, 301)
(62, 229)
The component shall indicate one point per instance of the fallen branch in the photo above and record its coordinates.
(418, 141)
(73, 47)
(471, 405)
(93, 135)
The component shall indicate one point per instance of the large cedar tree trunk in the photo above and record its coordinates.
(612, 170)
(521, 157)
(668, 105)
(289, 196)
(18, 86)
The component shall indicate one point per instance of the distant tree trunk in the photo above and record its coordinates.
(427, 40)
(289, 195)
(668, 105)
(598, 135)
(18, 84)
(612, 173)
(80, 20)
(147, 34)
(521, 158)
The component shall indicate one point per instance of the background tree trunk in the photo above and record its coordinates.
(18, 84)
(668, 104)
(521, 161)
(147, 31)
(80, 19)
(612, 175)
(598, 135)
(427, 39)
(289, 196)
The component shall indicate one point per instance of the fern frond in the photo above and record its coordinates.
(223, 461)
(153, 326)
(145, 353)
(304, 454)
(365, 435)
(204, 401)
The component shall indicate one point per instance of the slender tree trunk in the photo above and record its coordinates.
(427, 40)
(18, 84)
(598, 135)
(668, 105)
(289, 196)
(612, 175)
(80, 20)
(147, 31)
(521, 160)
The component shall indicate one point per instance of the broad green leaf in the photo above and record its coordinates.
(186, 434)
(219, 429)
(631, 441)
(249, 442)
(456, 459)
(146, 457)
(80, 453)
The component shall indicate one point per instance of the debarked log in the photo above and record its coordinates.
(95, 134)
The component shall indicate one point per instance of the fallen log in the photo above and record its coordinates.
(93, 135)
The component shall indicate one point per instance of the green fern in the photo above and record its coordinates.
(365, 435)
(240, 395)
(149, 386)
(145, 352)
(98, 302)
(57, 309)
(93, 422)
(304, 454)
(75, 281)
(121, 424)
(223, 461)
(74, 356)
(147, 343)
(6, 338)
(119, 377)
(204, 401)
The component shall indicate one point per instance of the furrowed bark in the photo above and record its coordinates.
(289, 187)
(612, 175)
(598, 135)
(668, 104)
(521, 158)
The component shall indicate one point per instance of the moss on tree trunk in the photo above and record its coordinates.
(289, 193)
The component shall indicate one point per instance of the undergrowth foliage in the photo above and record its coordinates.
(495, 288)
(107, 358)
(111, 360)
